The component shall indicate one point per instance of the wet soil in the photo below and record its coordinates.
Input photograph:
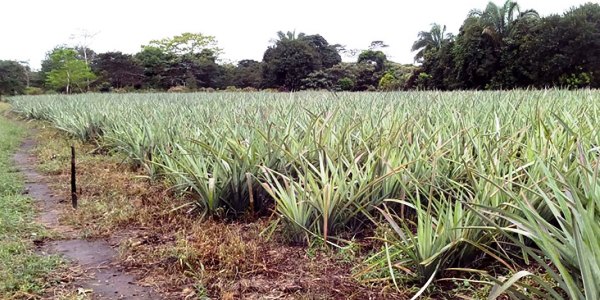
(98, 258)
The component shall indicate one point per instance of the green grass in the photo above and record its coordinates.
(23, 273)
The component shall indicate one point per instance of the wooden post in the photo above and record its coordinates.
(73, 179)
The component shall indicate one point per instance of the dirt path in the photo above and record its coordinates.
(98, 258)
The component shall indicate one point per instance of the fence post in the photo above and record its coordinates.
(73, 179)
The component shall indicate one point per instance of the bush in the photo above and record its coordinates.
(104, 87)
(574, 81)
(389, 83)
(33, 91)
(346, 84)
(423, 80)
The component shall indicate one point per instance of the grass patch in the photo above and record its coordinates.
(23, 273)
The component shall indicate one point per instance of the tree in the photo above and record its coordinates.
(288, 36)
(248, 73)
(48, 64)
(328, 54)
(154, 62)
(375, 45)
(67, 71)
(343, 76)
(520, 61)
(476, 58)
(83, 40)
(86, 54)
(294, 56)
(28, 73)
(396, 77)
(288, 62)
(188, 60)
(367, 77)
(497, 21)
(225, 76)
(431, 40)
(317, 80)
(503, 47)
(345, 84)
(118, 69)
(562, 48)
(438, 70)
(580, 39)
(187, 43)
(204, 69)
(13, 78)
(348, 52)
(377, 58)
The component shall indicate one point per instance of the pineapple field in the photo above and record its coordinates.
(501, 186)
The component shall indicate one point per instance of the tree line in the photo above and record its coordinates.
(499, 47)
(504, 47)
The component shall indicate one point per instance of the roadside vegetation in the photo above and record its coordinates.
(492, 189)
(24, 274)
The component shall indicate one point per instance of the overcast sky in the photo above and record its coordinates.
(28, 28)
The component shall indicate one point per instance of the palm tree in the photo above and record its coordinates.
(432, 39)
(499, 20)
(288, 36)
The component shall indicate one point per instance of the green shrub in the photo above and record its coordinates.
(346, 84)
(33, 91)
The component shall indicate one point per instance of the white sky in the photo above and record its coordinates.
(30, 28)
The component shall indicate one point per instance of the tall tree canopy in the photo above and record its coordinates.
(248, 73)
(288, 62)
(431, 40)
(377, 58)
(187, 43)
(498, 21)
(288, 36)
(293, 57)
(504, 47)
(188, 60)
(118, 69)
(328, 54)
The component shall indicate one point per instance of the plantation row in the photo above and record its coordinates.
(451, 178)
